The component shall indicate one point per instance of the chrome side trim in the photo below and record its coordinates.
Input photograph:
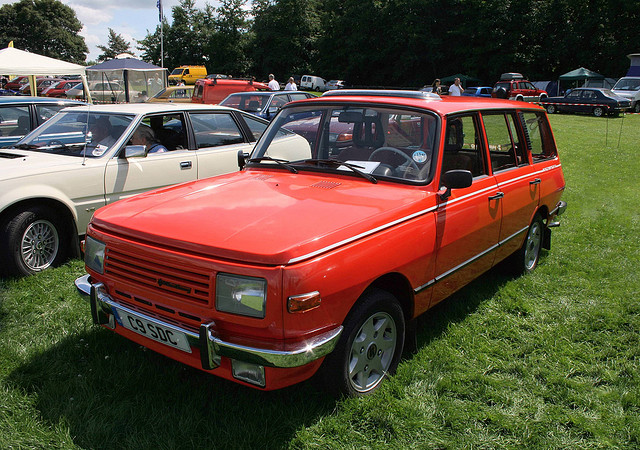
(362, 235)
(104, 312)
(467, 262)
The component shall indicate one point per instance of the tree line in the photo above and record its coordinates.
(403, 43)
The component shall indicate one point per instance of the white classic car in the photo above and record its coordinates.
(85, 157)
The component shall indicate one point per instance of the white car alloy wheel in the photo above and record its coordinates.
(39, 245)
(533, 245)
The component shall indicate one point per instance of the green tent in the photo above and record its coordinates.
(581, 74)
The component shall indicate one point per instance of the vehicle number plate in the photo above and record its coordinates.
(166, 335)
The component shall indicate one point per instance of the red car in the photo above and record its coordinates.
(213, 90)
(16, 83)
(319, 253)
(514, 87)
(60, 88)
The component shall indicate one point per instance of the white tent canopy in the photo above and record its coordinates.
(19, 62)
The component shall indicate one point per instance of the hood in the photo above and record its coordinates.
(263, 217)
(20, 163)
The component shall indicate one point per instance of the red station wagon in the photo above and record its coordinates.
(357, 212)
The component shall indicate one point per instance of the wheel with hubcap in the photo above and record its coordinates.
(31, 241)
(598, 111)
(369, 348)
(526, 259)
(551, 109)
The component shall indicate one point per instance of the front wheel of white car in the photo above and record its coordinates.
(31, 241)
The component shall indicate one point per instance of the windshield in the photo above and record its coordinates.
(627, 84)
(383, 142)
(177, 72)
(77, 134)
(246, 102)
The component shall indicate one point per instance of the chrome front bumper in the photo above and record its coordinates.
(212, 347)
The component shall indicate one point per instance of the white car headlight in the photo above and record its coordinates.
(94, 254)
(246, 296)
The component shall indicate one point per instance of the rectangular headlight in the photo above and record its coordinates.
(246, 296)
(94, 254)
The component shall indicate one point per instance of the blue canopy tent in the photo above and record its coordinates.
(125, 79)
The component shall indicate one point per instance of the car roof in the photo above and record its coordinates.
(44, 100)
(418, 99)
(149, 108)
(259, 93)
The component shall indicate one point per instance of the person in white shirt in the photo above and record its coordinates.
(455, 89)
(273, 84)
(291, 85)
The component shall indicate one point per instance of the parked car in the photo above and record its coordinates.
(596, 101)
(187, 74)
(19, 115)
(102, 92)
(263, 104)
(214, 90)
(313, 83)
(83, 158)
(7, 92)
(514, 87)
(317, 257)
(479, 91)
(173, 94)
(41, 85)
(335, 84)
(629, 87)
(59, 89)
(17, 82)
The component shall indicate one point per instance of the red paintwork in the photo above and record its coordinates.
(214, 90)
(270, 223)
(60, 89)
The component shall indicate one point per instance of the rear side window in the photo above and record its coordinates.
(538, 136)
(215, 129)
(505, 149)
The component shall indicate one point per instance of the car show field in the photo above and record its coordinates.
(545, 360)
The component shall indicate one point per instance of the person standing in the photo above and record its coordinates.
(456, 88)
(435, 86)
(273, 84)
(291, 85)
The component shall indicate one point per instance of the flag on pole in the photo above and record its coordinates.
(159, 5)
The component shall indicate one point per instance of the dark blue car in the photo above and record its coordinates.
(481, 91)
(263, 104)
(19, 115)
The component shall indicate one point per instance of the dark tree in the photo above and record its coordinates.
(117, 44)
(46, 27)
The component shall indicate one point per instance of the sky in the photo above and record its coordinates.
(130, 18)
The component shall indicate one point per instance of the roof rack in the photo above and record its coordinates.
(423, 95)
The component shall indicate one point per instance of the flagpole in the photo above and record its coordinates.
(161, 16)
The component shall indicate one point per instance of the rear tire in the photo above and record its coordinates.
(598, 111)
(32, 241)
(369, 348)
(526, 259)
(551, 109)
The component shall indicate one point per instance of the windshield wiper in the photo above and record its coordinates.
(335, 163)
(280, 162)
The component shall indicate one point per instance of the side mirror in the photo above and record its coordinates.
(455, 179)
(135, 151)
(242, 159)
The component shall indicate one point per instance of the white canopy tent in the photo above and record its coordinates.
(20, 62)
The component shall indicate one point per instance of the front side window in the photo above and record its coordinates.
(463, 148)
(256, 126)
(14, 122)
(538, 135)
(384, 142)
(215, 129)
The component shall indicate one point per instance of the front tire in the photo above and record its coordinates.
(369, 348)
(551, 109)
(32, 241)
(636, 108)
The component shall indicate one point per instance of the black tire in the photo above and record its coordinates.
(598, 111)
(636, 108)
(526, 259)
(551, 109)
(33, 240)
(369, 348)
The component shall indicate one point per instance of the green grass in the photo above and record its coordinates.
(548, 360)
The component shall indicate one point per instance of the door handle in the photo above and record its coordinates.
(185, 165)
(498, 196)
(536, 181)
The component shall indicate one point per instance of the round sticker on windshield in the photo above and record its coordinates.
(419, 156)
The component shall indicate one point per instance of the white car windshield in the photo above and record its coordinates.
(83, 134)
(627, 84)
(380, 142)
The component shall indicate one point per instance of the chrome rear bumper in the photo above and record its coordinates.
(211, 347)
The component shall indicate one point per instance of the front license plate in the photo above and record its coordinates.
(165, 335)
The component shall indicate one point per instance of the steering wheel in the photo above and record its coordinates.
(412, 163)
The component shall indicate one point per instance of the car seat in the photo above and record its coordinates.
(23, 127)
